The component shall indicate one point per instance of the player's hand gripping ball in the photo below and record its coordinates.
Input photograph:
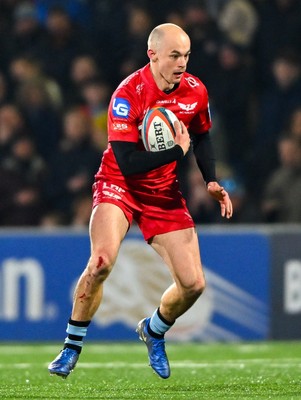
(158, 130)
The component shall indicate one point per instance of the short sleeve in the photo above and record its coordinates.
(123, 118)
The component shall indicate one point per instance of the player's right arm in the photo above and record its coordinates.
(132, 161)
(124, 116)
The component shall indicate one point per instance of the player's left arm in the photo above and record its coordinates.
(204, 154)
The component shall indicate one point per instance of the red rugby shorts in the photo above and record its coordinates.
(156, 212)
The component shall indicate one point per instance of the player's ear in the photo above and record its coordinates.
(152, 55)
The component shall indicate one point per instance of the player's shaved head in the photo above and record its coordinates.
(164, 32)
(168, 51)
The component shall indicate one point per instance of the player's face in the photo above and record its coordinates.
(173, 65)
(172, 58)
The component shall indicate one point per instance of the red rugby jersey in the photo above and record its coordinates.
(128, 105)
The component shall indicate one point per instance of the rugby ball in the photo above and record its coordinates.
(158, 130)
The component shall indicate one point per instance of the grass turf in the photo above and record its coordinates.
(260, 370)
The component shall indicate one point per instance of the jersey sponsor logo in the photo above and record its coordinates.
(121, 107)
(192, 82)
(121, 126)
(170, 101)
(188, 107)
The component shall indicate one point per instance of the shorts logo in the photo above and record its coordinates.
(112, 195)
(121, 107)
(112, 191)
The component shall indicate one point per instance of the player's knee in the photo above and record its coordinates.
(200, 286)
(100, 265)
(195, 289)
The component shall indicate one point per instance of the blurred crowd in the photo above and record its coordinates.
(61, 60)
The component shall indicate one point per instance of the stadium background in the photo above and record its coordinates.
(59, 62)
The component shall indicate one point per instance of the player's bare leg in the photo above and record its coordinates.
(185, 266)
(189, 282)
(108, 227)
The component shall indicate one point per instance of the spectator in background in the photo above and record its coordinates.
(24, 69)
(95, 94)
(232, 95)
(205, 37)
(74, 164)
(238, 21)
(22, 174)
(12, 125)
(27, 33)
(279, 28)
(275, 107)
(139, 24)
(282, 196)
(64, 41)
(78, 10)
(83, 68)
(42, 116)
(110, 36)
(27, 68)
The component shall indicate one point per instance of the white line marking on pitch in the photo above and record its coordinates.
(286, 363)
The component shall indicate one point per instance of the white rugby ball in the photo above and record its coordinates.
(158, 130)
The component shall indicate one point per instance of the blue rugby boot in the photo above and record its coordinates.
(156, 350)
(64, 363)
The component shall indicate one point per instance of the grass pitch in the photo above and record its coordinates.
(260, 370)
